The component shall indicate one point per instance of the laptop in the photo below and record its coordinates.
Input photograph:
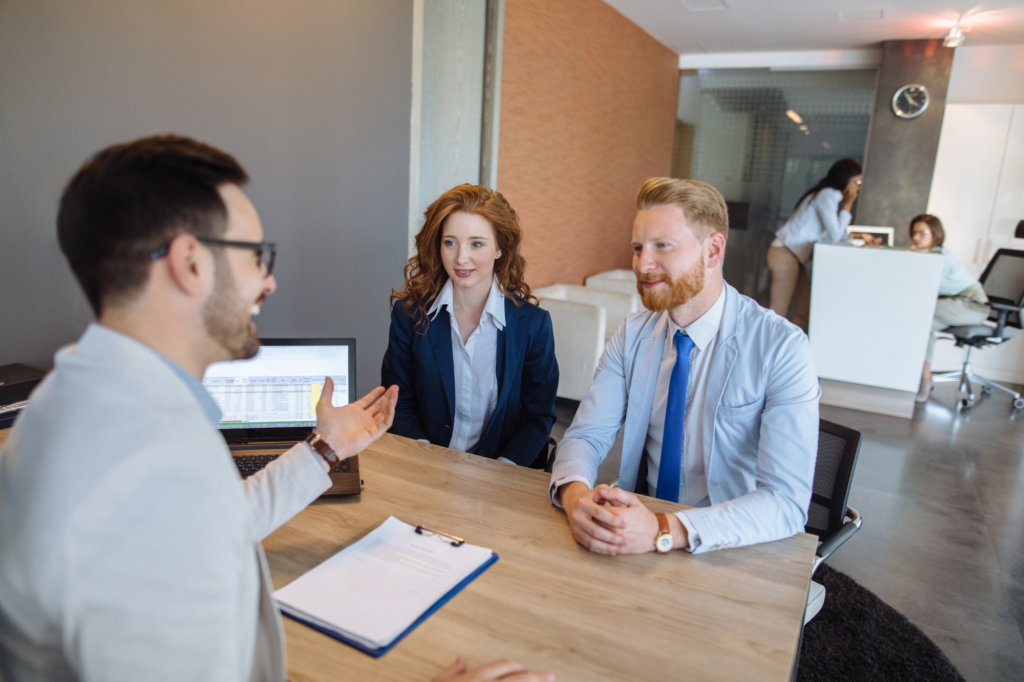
(268, 403)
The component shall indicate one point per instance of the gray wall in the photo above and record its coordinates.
(901, 153)
(313, 97)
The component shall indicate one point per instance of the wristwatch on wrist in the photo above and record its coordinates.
(317, 442)
(663, 542)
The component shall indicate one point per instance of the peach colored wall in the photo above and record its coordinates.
(588, 104)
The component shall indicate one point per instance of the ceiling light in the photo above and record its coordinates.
(826, 145)
(803, 127)
(955, 37)
(794, 116)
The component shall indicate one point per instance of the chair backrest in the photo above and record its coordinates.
(838, 447)
(1003, 281)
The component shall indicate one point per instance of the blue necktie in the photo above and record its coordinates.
(675, 414)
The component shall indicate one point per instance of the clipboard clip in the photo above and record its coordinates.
(445, 537)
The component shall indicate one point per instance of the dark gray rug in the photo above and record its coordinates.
(858, 637)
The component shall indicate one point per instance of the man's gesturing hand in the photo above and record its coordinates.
(351, 428)
(505, 670)
(593, 525)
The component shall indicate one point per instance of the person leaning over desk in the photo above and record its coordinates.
(718, 395)
(821, 215)
(129, 548)
(962, 300)
(473, 357)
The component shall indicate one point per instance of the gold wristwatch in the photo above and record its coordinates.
(663, 542)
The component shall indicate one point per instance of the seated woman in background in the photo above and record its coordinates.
(474, 359)
(818, 218)
(962, 301)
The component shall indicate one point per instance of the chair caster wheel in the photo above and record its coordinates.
(965, 404)
(1018, 403)
(987, 390)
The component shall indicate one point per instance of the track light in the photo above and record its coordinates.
(955, 37)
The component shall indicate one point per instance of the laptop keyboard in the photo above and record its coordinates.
(250, 464)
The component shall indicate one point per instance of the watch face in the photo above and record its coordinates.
(664, 543)
(910, 101)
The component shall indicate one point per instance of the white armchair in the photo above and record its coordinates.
(583, 320)
(623, 281)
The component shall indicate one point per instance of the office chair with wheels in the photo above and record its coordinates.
(1003, 281)
(828, 515)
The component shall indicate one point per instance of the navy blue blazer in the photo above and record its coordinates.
(424, 370)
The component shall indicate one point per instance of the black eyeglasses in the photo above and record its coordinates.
(266, 251)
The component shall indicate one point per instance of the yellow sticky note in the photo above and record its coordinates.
(314, 396)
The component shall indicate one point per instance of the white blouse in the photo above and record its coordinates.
(476, 378)
(816, 219)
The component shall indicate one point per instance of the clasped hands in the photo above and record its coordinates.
(612, 521)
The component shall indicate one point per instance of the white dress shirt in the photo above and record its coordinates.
(816, 219)
(476, 378)
(693, 488)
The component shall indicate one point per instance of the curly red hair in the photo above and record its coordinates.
(425, 275)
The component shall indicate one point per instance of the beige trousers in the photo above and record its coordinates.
(967, 307)
(791, 289)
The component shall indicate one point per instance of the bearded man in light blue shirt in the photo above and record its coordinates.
(719, 398)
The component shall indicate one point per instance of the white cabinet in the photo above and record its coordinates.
(978, 193)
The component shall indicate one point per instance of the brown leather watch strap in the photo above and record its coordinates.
(663, 527)
(317, 442)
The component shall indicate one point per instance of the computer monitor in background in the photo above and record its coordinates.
(273, 396)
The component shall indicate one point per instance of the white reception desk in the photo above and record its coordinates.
(871, 313)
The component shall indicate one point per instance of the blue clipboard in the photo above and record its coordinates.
(377, 653)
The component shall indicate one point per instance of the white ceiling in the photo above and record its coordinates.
(710, 26)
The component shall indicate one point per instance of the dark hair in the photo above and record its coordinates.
(934, 224)
(130, 199)
(839, 176)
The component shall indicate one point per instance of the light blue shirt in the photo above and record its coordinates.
(955, 277)
(759, 421)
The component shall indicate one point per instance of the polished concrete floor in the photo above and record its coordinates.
(942, 496)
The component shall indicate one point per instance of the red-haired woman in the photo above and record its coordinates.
(474, 359)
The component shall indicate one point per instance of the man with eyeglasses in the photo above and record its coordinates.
(129, 548)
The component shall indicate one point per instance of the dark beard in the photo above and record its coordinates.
(226, 318)
(681, 290)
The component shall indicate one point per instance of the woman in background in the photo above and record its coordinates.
(474, 359)
(821, 215)
(962, 301)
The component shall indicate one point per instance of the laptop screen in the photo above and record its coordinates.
(279, 388)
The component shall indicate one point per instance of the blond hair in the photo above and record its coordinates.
(702, 204)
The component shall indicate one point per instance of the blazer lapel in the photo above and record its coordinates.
(642, 380)
(511, 346)
(440, 333)
(721, 368)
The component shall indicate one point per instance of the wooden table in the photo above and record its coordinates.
(727, 615)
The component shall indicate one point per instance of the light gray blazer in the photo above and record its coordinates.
(761, 408)
(129, 548)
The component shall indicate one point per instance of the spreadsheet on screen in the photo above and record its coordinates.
(278, 387)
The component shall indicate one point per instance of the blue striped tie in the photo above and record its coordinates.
(675, 414)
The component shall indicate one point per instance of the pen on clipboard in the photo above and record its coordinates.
(454, 541)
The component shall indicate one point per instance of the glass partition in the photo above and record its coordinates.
(762, 138)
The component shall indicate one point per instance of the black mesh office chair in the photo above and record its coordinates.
(1003, 281)
(828, 516)
(546, 457)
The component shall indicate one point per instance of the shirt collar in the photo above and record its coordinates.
(206, 403)
(704, 328)
(495, 305)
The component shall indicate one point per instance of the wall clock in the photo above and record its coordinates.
(910, 101)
